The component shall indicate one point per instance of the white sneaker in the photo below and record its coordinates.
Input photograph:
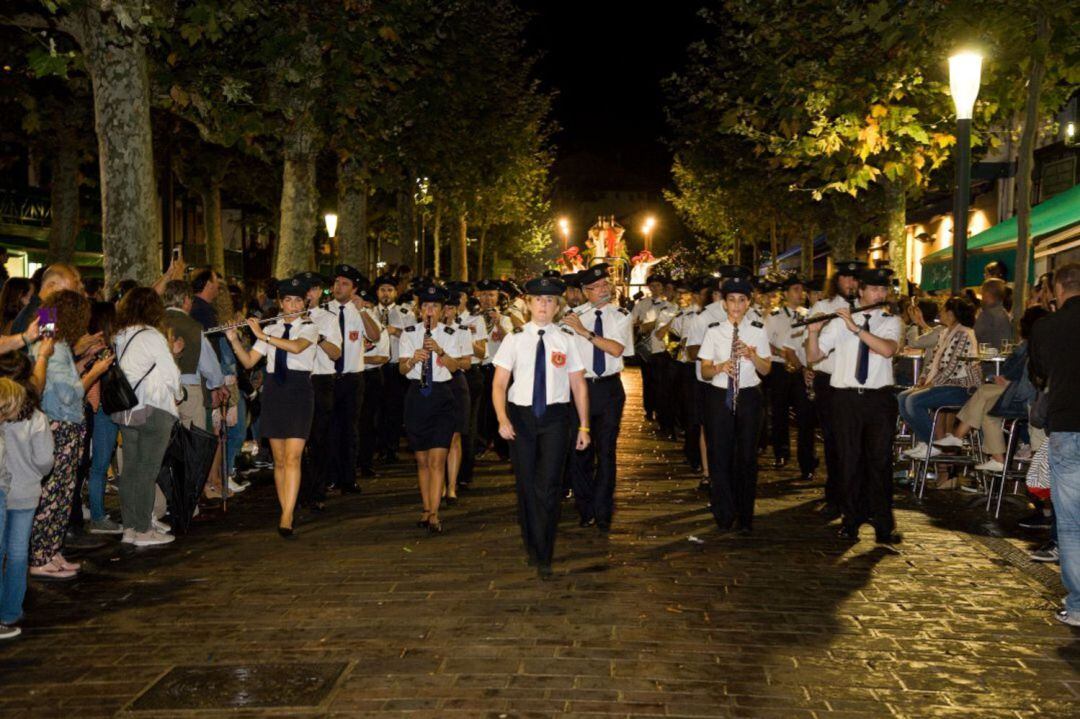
(949, 441)
(919, 451)
(129, 536)
(991, 465)
(237, 487)
(152, 538)
(9, 632)
(161, 526)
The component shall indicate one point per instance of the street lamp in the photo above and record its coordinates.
(647, 228)
(564, 227)
(331, 224)
(964, 72)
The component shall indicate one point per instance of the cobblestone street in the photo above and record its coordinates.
(365, 615)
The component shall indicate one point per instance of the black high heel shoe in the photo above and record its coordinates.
(423, 523)
(434, 527)
(286, 532)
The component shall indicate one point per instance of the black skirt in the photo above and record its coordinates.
(429, 421)
(459, 386)
(287, 407)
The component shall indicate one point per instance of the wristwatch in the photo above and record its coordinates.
(592, 335)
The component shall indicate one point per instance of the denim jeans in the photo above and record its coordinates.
(917, 404)
(234, 438)
(15, 527)
(102, 446)
(1065, 491)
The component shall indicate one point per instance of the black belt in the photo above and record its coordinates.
(866, 390)
(598, 380)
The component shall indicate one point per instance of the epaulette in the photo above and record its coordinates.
(775, 312)
(885, 313)
(517, 330)
(567, 330)
(306, 322)
(714, 324)
(449, 331)
(410, 328)
(623, 311)
(755, 323)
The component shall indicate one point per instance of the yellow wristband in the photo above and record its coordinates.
(583, 429)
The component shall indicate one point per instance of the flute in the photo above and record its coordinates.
(833, 315)
(733, 381)
(268, 320)
(427, 362)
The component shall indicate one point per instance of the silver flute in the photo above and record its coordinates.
(268, 320)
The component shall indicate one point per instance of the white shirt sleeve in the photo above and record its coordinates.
(830, 335)
(624, 333)
(408, 345)
(709, 347)
(505, 356)
(574, 362)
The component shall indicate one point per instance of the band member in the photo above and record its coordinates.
(546, 368)
(373, 412)
(393, 319)
(475, 338)
(604, 337)
(787, 384)
(348, 377)
(683, 379)
(461, 351)
(288, 404)
(864, 404)
(733, 353)
(644, 319)
(843, 288)
(498, 326)
(317, 454)
(429, 401)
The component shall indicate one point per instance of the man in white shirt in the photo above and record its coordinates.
(393, 318)
(864, 405)
(604, 338)
(475, 339)
(787, 387)
(498, 326)
(844, 285)
(373, 406)
(644, 318)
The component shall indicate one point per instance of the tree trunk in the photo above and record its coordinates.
(64, 228)
(299, 202)
(215, 238)
(1027, 163)
(459, 258)
(131, 226)
(352, 215)
(842, 242)
(807, 265)
(406, 233)
(895, 229)
(481, 272)
(773, 248)
(436, 245)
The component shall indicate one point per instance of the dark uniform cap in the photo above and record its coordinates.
(369, 296)
(551, 274)
(510, 287)
(487, 285)
(406, 297)
(432, 293)
(878, 276)
(727, 271)
(791, 281)
(296, 287)
(851, 268)
(705, 282)
(350, 273)
(763, 285)
(571, 280)
(657, 277)
(313, 279)
(553, 286)
(815, 285)
(741, 285)
(594, 273)
(383, 280)
(459, 286)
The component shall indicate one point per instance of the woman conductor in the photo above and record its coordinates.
(288, 404)
(426, 351)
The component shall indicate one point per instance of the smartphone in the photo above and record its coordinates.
(176, 254)
(47, 321)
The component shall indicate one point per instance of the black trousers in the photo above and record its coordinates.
(594, 468)
(789, 390)
(648, 384)
(372, 417)
(475, 379)
(732, 452)
(393, 415)
(537, 454)
(317, 458)
(823, 395)
(864, 425)
(487, 422)
(348, 396)
(691, 397)
(664, 378)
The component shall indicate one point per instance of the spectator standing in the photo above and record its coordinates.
(993, 325)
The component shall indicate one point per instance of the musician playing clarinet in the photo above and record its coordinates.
(734, 351)
(864, 404)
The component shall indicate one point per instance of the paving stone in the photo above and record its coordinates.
(641, 622)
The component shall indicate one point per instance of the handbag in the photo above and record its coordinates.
(118, 396)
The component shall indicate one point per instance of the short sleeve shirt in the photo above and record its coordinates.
(329, 331)
(845, 344)
(616, 326)
(412, 339)
(299, 361)
(517, 355)
(716, 347)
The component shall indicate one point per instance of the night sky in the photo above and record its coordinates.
(606, 60)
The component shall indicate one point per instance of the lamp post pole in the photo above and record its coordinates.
(965, 69)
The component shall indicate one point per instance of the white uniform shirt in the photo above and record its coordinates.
(796, 340)
(300, 329)
(393, 316)
(498, 332)
(665, 313)
(352, 345)
(680, 327)
(616, 325)
(778, 328)
(710, 313)
(825, 307)
(412, 339)
(463, 342)
(716, 347)
(474, 326)
(836, 336)
(517, 354)
(376, 349)
(327, 323)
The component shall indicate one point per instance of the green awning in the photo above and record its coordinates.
(999, 242)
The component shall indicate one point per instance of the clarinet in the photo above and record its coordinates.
(733, 382)
(427, 362)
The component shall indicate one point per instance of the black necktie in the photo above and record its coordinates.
(598, 363)
(281, 358)
(862, 366)
(540, 379)
(339, 363)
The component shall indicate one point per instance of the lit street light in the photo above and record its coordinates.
(964, 75)
(564, 227)
(331, 224)
(647, 229)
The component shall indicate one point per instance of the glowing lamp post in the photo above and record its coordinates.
(331, 225)
(564, 227)
(964, 73)
(647, 230)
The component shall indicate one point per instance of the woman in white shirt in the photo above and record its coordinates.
(459, 387)
(288, 405)
(428, 359)
(148, 364)
(733, 418)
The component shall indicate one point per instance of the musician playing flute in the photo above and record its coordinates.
(734, 351)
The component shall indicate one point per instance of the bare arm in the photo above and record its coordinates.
(580, 392)
(372, 330)
(332, 350)
(498, 400)
(248, 358)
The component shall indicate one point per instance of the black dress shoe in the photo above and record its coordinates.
(704, 485)
(368, 473)
(888, 537)
(450, 501)
(604, 527)
(805, 478)
(544, 572)
(423, 524)
(286, 532)
(745, 531)
(586, 522)
(830, 512)
(849, 533)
